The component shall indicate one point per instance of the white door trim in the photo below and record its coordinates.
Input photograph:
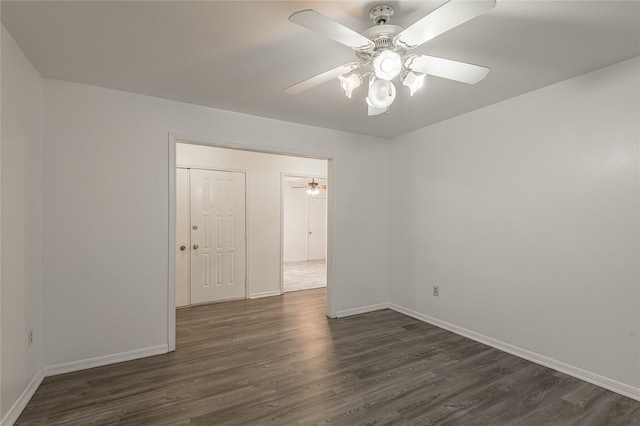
(171, 285)
(173, 139)
(187, 236)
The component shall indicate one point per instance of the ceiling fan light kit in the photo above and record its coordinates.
(413, 81)
(350, 83)
(313, 188)
(382, 51)
(387, 64)
(382, 93)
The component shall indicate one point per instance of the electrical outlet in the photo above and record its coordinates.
(436, 290)
(30, 336)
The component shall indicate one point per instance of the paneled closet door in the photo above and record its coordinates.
(218, 236)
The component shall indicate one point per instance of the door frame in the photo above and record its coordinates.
(189, 242)
(173, 139)
(284, 175)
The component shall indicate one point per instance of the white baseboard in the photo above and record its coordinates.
(361, 310)
(68, 367)
(83, 364)
(15, 410)
(587, 376)
(265, 294)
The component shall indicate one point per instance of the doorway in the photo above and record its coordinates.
(304, 232)
(263, 174)
(210, 236)
(264, 248)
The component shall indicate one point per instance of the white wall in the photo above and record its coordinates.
(21, 243)
(264, 201)
(106, 198)
(525, 213)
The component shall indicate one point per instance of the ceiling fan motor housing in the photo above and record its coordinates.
(382, 33)
(380, 14)
(382, 37)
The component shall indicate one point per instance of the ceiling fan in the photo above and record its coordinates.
(313, 187)
(384, 51)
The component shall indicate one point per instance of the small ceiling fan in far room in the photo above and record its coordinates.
(313, 187)
(383, 51)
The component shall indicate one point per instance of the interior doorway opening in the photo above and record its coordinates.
(263, 221)
(304, 232)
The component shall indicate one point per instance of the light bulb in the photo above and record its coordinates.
(413, 81)
(387, 64)
(382, 93)
(349, 83)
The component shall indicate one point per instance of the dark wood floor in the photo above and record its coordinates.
(280, 361)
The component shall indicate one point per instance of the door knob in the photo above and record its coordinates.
(182, 248)
(195, 247)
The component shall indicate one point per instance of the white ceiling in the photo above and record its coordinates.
(239, 55)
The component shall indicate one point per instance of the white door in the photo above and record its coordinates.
(317, 217)
(217, 236)
(183, 238)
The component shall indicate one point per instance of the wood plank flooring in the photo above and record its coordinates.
(280, 361)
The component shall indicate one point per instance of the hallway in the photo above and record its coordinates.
(304, 275)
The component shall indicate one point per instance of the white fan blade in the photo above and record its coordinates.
(441, 20)
(446, 68)
(321, 78)
(321, 24)
(372, 110)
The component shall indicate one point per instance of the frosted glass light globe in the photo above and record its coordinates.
(382, 93)
(349, 83)
(387, 64)
(413, 81)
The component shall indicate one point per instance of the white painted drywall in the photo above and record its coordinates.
(525, 213)
(264, 200)
(106, 198)
(21, 241)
